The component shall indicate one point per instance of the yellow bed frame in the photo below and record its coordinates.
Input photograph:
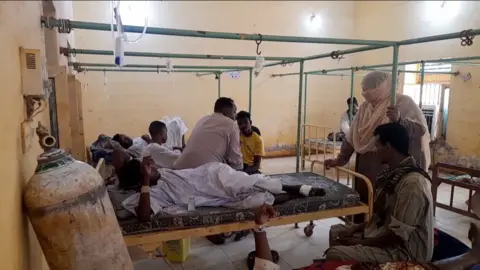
(151, 241)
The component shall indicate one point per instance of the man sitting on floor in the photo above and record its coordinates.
(215, 138)
(163, 156)
(402, 224)
(263, 258)
(211, 185)
(251, 144)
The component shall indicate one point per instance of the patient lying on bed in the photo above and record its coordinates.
(210, 185)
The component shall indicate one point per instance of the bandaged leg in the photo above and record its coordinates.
(274, 186)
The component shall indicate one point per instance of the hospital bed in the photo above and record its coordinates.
(448, 174)
(315, 143)
(339, 201)
(316, 146)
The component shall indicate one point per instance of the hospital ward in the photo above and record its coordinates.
(240, 135)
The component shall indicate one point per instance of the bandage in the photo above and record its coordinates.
(305, 190)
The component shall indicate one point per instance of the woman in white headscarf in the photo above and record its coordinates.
(375, 111)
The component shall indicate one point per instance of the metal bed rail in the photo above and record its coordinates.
(437, 181)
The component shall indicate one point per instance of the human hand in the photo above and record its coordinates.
(264, 214)
(348, 241)
(146, 138)
(347, 233)
(147, 167)
(393, 114)
(330, 163)
(178, 148)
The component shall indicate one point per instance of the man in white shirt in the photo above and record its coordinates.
(345, 120)
(163, 156)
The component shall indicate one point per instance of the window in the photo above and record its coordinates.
(432, 86)
(435, 112)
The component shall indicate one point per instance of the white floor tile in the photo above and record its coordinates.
(242, 265)
(239, 250)
(200, 242)
(205, 258)
(149, 264)
(224, 266)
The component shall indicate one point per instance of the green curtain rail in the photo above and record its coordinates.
(85, 65)
(51, 22)
(299, 118)
(415, 71)
(437, 37)
(73, 51)
(146, 70)
(343, 52)
(456, 60)
(296, 73)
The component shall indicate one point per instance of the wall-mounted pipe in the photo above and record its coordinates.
(53, 22)
(73, 51)
(86, 65)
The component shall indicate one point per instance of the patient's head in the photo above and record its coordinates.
(158, 132)
(244, 123)
(130, 176)
(123, 140)
(226, 106)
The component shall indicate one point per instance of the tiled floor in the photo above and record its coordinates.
(296, 250)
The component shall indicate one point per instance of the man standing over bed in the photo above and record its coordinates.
(215, 138)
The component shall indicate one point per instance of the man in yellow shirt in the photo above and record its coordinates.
(251, 144)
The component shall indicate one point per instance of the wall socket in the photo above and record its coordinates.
(28, 135)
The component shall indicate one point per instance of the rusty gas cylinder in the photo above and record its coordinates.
(71, 213)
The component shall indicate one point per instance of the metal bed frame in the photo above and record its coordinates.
(437, 181)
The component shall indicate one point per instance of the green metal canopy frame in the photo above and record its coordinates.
(65, 26)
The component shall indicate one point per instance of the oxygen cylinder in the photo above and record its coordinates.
(71, 213)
